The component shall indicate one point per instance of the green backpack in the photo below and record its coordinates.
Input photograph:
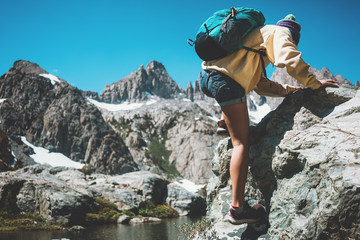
(222, 33)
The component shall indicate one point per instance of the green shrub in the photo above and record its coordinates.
(105, 212)
(165, 211)
(87, 169)
(127, 212)
(159, 211)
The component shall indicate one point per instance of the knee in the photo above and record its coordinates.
(239, 144)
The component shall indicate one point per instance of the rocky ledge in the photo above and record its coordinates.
(65, 196)
(304, 167)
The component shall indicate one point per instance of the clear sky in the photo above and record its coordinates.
(92, 43)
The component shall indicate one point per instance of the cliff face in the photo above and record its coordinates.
(304, 167)
(54, 115)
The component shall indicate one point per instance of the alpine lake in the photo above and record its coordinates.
(166, 229)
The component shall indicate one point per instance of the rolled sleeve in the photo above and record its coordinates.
(266, 87)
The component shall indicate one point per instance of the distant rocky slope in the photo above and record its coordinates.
(170, 130)
(176, 134)
(304, 167)
(53, 114)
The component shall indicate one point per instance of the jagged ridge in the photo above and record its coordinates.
(152, 80)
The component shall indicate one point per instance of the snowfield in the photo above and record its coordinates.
(44, 156)
(119, 107)
(260, 113)
(52, 78)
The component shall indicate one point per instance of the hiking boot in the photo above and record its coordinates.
(222, 128)
(246, 214)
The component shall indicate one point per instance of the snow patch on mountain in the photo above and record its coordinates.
(261, 111)
(44, 156)
(119, 107)
(52, 78)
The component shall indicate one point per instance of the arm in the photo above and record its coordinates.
(266, 87)
(285, 54)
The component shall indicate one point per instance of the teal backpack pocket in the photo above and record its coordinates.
(222, 33)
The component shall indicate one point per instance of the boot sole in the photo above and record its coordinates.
(241, 221)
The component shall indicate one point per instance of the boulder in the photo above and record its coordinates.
(34, 189)
(77, 228)
(128, 191)
(123, 219)
(304, 166)
(145, 220)
(185, 202)
(64, 195)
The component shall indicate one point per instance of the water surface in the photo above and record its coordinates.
(167, 229)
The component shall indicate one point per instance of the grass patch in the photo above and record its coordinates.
(87, 169)
(107, 212)
(10, 221)
(160, 155)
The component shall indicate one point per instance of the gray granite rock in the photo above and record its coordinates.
(123, 219)
(34, 189)
(304, 168)
(144, 220)
(185, 202)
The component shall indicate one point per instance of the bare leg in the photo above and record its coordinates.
(237, 120)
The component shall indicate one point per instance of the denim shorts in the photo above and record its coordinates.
(224, 89)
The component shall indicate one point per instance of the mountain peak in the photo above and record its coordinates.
(141, 68)
(27, 67)
(155, 64)
(135, 87)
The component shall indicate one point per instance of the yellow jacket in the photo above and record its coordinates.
(245, 66)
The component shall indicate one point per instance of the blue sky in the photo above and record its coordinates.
(94, 43)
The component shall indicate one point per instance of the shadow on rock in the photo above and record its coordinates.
(255, 230)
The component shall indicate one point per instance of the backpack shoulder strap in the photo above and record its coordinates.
(262, 54)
